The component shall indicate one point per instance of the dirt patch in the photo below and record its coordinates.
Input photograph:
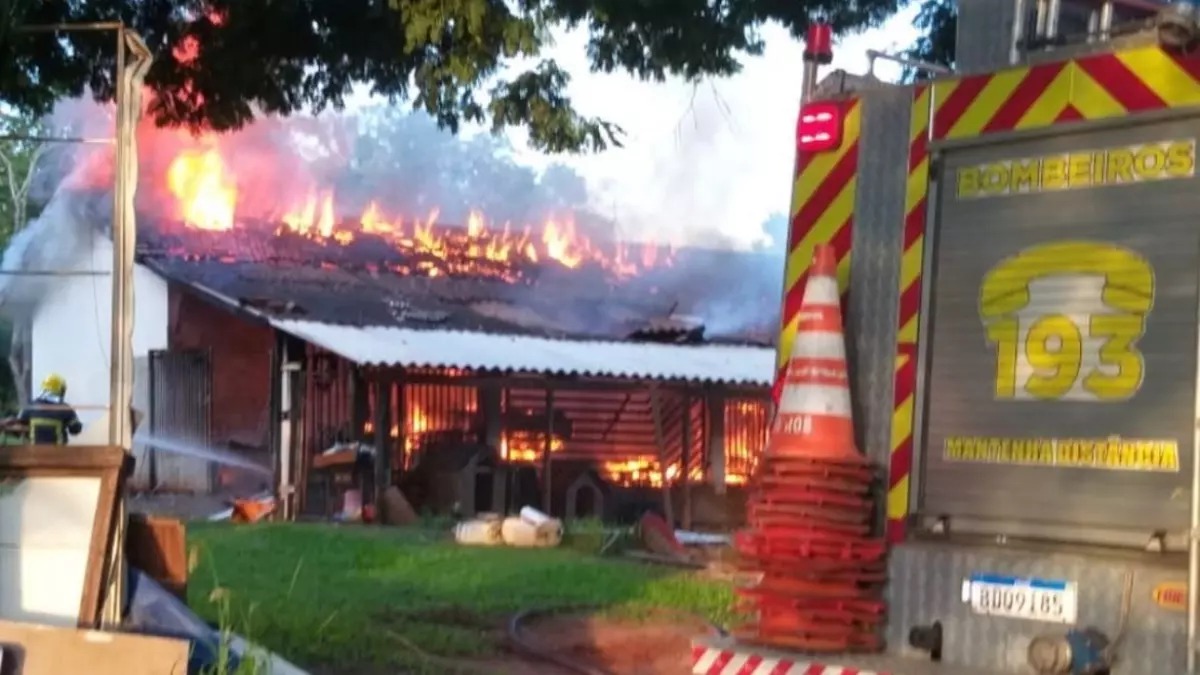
(660, 646)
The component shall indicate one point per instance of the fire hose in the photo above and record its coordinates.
(524, 646)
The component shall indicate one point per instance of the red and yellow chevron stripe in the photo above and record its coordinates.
(822, 212)
(911, 261)
(1089, 88)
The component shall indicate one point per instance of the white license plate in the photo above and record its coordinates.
(1016, 598)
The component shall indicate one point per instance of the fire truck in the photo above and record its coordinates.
(1019, 257)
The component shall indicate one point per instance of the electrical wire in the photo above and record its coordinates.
(571, 665)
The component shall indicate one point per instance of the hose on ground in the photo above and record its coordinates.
(531, 650)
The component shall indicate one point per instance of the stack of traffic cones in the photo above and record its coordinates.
(822, 574)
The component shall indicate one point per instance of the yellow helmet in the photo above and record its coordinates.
(54, 384)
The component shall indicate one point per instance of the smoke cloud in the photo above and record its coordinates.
(400, 161)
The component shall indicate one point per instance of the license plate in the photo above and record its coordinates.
(1017, 598)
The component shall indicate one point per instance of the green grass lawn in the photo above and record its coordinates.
(324, 594)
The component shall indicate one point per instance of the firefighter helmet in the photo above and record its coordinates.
(54, 384)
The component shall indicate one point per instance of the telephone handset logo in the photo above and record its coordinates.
(1064, 319)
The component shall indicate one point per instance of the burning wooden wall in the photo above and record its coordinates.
(606, 427)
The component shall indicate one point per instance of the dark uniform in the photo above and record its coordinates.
(50, 420)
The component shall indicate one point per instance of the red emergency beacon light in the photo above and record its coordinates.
(819, 128)
(818, 43)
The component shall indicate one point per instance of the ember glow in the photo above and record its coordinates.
(208, 195)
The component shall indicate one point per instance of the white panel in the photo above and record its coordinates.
(72, 331)
(45, 536)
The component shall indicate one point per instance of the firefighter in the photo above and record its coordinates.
(50, 420)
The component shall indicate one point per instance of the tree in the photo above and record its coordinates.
(938, 21)
(455, 175)
(19, 159)
(19, 162)
(221, 62)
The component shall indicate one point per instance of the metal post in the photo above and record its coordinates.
(128, 94)
(1039, 31)
(116, 426)
(547, 447)
(1106, 20)
(808, 80)
(1018, 37)
(1054, 9)
(286, 434)
(716, 439)
(924, 344)
(1194, 532)
(124, 235)
(383, 438)
(152, 419)
(685, 459)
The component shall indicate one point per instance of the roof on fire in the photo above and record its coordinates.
(559, 321)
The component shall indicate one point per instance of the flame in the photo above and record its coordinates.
(526, 447)
(187, 51)
(314, 217)
(206, 194)
(645, 472)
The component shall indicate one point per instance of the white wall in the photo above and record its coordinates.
(72, 335)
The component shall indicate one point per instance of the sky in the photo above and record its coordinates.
(714, 157)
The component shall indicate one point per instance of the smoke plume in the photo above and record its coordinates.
(401, 162)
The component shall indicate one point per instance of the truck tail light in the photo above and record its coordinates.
(819, 127)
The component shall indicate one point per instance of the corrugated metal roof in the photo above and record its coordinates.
(392, 346)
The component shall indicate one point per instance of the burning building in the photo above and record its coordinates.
(487, 365)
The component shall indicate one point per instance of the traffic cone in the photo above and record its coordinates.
(813, 418)
(821, 575)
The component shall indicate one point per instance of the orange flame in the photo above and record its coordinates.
(526, 447)
(206, 194)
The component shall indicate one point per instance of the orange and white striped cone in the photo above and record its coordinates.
(814, 415)
(810, 507)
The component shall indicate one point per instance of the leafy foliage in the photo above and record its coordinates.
(938, 21)
(221, 62)
(20, 159)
